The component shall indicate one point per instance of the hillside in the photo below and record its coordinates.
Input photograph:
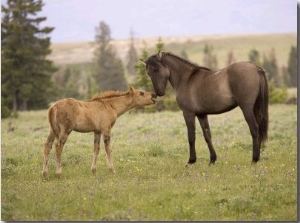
(240, 45)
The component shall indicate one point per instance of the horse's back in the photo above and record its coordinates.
(244, 78)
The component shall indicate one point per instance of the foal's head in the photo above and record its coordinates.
(141, 98)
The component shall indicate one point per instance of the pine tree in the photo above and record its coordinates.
(109, 73)
(210, 59)
(270, 66)
(25, 73)
(132, 56)
(254, 57)
(143, 80)
(292, 66)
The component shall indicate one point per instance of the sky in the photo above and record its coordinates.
(76, 20)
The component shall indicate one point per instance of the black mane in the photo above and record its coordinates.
(197, 67)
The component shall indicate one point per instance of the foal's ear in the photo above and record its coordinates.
(143, 62)
(131, 89)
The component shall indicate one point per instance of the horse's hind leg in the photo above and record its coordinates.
(108, 153)
(207, 136)
(47, 148)
(59, 147)
(253, 126)
(96, 150)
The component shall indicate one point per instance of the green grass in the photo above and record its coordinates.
(151, 182)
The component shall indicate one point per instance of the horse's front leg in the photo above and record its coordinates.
(190, 124)
(207, 136)
(97, 137)
(108, 153)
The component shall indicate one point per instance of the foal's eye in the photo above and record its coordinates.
(142, 93)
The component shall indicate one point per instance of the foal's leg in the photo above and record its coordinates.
(190, 124)
(253, 126)
(96, 150)
(108, 152)
(47, 148)
(59, 147)
(207, 136)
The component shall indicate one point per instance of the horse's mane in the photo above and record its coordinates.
(110, 94)
(197, 67)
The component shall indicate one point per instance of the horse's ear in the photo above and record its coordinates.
(159, 55)
(143, 62)
(131, 89)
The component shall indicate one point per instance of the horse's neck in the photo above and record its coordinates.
(180, 71)
(120, 104)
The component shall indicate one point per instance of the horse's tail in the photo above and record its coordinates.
(261, 106)
(52, 119)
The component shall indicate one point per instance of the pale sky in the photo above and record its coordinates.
(75, 20)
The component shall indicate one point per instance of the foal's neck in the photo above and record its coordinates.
(121, 104)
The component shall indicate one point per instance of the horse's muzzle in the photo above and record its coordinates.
(153, 98)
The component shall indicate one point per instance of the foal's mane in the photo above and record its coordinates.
(196, 66)
(110, 94)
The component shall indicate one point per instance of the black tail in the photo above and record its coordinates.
(261, 107)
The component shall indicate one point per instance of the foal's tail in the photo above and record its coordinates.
(261, 106)
(52, 120)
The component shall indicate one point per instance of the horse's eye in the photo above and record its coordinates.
(142, 93)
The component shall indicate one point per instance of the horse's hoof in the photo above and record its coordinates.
(255, 160)
(212, 160)
(189, 165)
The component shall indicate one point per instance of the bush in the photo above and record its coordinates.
(277, 95)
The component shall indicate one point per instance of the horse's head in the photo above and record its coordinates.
(142, 98)
(158, 72)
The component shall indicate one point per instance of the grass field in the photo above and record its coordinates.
(151, 181)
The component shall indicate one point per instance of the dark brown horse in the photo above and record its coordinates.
(201, 91)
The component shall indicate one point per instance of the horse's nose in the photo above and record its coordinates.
(154, 95)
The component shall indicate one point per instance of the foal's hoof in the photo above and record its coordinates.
(45, 174)
(255, 160)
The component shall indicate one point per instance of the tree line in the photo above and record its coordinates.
(30, 81)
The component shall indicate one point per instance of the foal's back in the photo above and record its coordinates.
(81, 116)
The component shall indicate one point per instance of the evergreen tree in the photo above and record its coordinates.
(292, 66)
(254, 57)
(210, 59)
(159, 45)
(25, 73)
(132, 56)
(109, 73)
(143, 80)
(271, 68)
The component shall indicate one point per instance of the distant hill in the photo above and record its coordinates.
(240, 45)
